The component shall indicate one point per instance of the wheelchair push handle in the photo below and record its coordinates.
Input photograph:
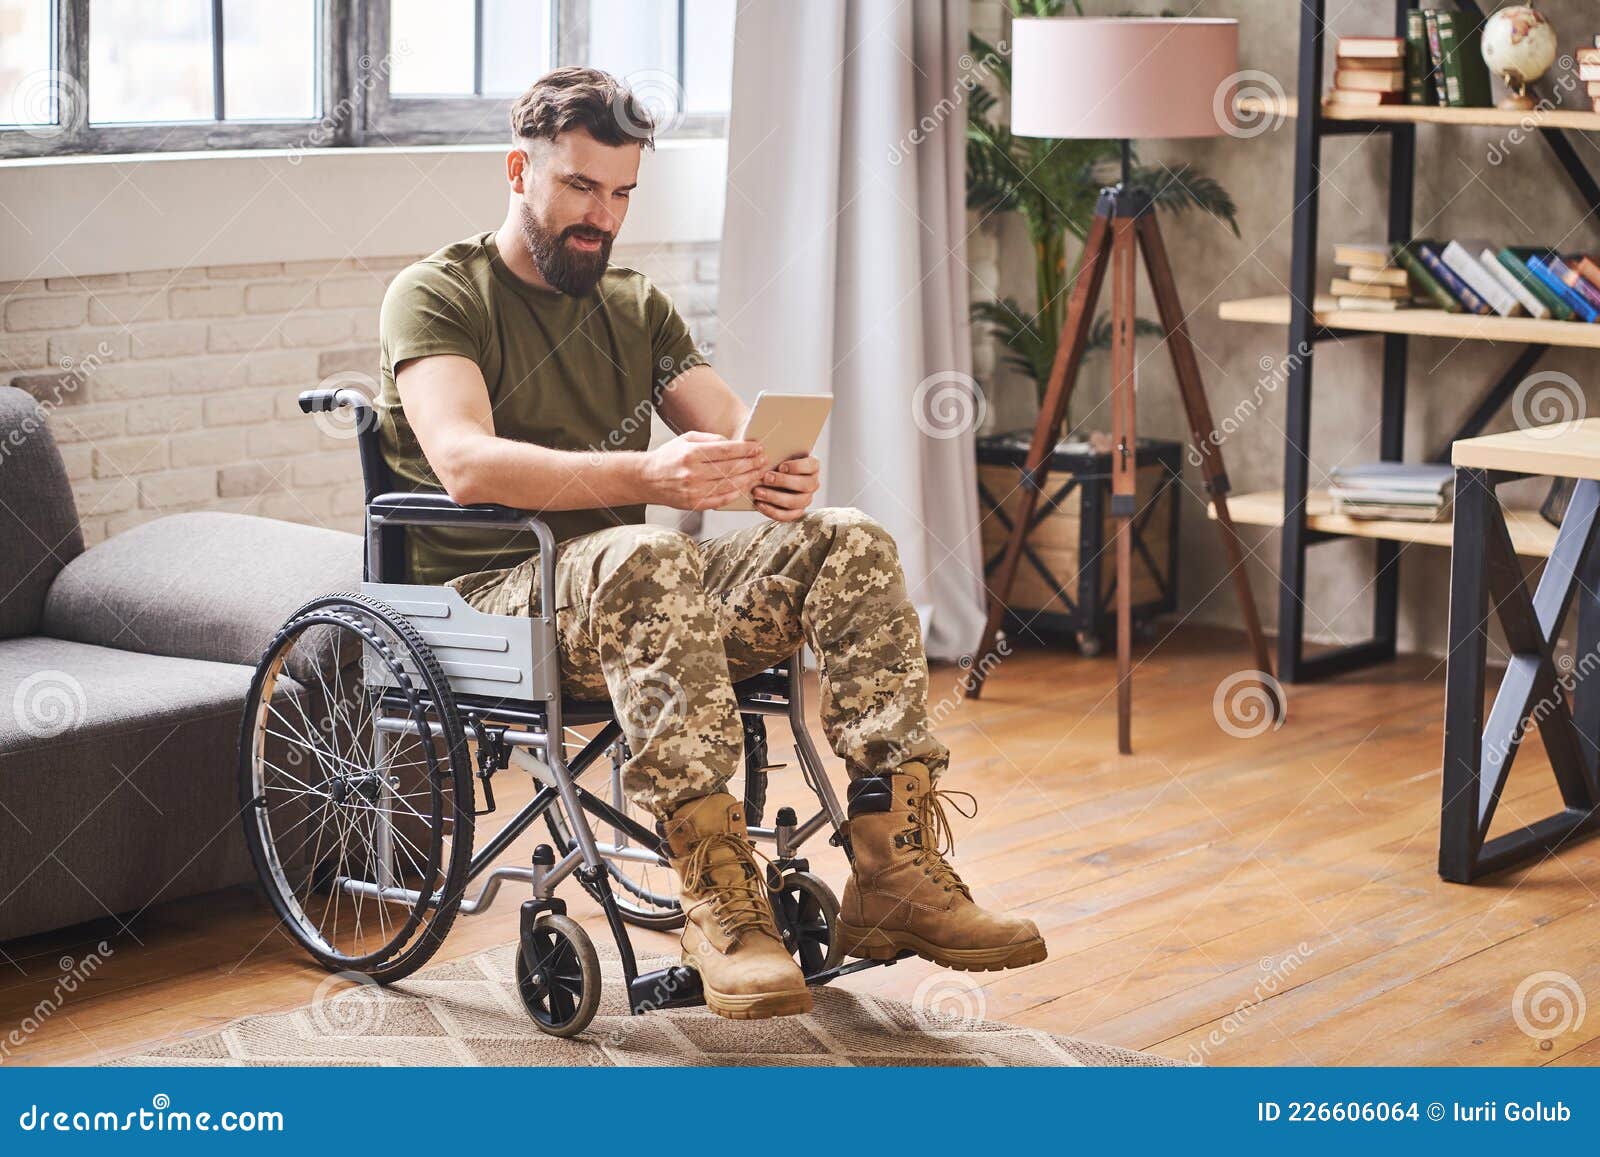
(323, 401)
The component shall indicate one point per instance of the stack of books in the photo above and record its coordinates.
(1369, 71)
(1371, 279)
(1588, 66)
(1394, 491)
(1444, 59)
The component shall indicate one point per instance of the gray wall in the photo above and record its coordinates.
(1471, 183)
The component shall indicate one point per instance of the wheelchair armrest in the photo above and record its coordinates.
(431, 508)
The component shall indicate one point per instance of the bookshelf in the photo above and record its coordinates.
(1419, 322)
(1553, 118)
(1303, 516)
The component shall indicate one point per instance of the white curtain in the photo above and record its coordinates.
(843, 270)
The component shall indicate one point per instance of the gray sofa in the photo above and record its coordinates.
(122, 672)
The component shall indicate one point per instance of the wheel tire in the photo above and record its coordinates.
(390, 642)
(1089, 645)
(755, 769)
(562, 952)
(808, 917)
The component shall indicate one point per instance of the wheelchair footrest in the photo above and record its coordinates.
(672, 987)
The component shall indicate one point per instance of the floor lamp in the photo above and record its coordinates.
(1122, 79)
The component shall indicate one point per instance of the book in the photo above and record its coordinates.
(1430, 23)
(1372, 304)
(1362, 64)
(1513, 262)
(1393, 275)
(1537, 266)
(1573, 280)
(1372, 47)
(1587, 55)
(1419, 64)
(1589, 72)
(1351, 98)
(1466, 267)
(1435, 291)
(1388, 512)
(1343, 287)
(1397, 497)
(1363, 80)
(1368, 256)
(1428, 252)
(1593, 89)
(1461, 53)
(1531, 305)
(1589, 270)
(1426, 477)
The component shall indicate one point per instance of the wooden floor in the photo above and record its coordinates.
(1265, 900)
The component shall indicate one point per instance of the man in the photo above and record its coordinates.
(520, 368)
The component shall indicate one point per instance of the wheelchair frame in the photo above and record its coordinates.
(481, 653)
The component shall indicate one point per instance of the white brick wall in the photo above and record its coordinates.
(174, 390)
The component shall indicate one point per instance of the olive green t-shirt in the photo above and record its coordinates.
(571, 373)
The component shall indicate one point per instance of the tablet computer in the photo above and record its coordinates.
(787, 426)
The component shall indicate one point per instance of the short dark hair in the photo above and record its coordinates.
(587, 99)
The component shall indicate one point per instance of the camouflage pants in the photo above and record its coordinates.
(663, 626)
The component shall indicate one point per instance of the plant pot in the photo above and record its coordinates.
(1066, 580)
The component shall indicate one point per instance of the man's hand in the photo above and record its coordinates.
(786, 490)
(699, 471)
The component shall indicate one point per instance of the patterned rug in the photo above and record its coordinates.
(466, 1013)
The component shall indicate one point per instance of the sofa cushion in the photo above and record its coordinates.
(52, 690)
(204, 585)
(38, 519)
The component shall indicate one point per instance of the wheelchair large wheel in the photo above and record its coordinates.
(361, 833)
(647, 894)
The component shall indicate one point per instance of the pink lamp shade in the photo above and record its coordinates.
(1133, 78)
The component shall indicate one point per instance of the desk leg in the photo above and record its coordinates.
(1585, 671)
(1459, 839)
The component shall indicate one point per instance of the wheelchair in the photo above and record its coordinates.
(375, 720)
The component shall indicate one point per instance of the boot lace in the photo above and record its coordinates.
(740, 906)
(933, 838)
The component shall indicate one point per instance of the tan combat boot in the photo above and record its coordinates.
(903, 893)
(729, 936)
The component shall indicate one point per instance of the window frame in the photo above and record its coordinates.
(355, 105)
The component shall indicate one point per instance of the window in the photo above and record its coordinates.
(450, 68)
(99, 76)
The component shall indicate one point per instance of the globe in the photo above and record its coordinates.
(1519, 45)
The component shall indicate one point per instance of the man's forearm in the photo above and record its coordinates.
(531, 477)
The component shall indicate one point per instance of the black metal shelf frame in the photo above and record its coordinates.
(1304, 335)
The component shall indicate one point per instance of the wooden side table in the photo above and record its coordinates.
(1564, 703)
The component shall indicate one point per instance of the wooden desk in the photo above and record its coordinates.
(1564, 702)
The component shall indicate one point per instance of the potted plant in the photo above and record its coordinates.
(1053, 187)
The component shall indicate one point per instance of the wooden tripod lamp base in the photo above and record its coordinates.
(1062, 71)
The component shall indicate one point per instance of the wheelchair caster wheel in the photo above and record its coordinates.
(1089, 645)
(808, 917)
(558, 976)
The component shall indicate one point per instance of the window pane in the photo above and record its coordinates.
(431, 42)
(27, 89)
(149, 60)
(637, 41)
(516, 45)
(708, 56)
(269, 57)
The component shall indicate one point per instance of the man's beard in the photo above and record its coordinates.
(571, 271)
